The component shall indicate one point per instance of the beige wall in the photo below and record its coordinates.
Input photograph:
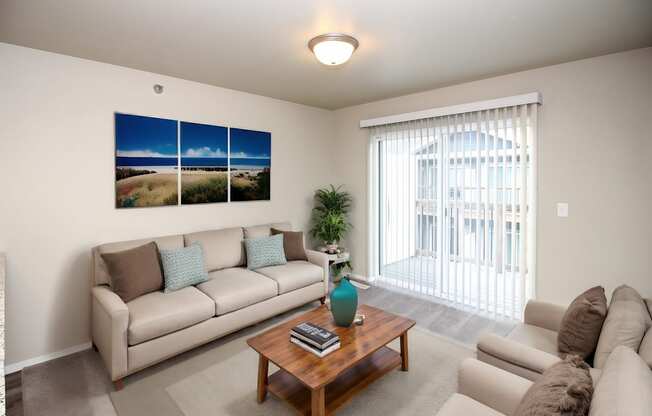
(595, 152)
(56, 171)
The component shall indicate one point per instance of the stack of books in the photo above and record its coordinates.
(314, 339)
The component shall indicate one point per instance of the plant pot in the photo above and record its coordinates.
(331, 248)
(344, 303)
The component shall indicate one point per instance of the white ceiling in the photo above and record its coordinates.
(260, 46)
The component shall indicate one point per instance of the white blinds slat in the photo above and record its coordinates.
(522, 206)
(514, 222)
(462, 205)
(478, 180)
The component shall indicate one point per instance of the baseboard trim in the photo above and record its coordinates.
(360, 278)
(15, 367)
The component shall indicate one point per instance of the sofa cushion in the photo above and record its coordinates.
(645, 350)
(222, 248)
(459, 404)
(535, 337)
(100, 272)
(156, 314)
(293, 275)
(292, 244)
(265, 230)
(624, 387)
(236, 288)
(563, 389)
(582, 322)
(183, 267)
(134, 272)
(627, 321)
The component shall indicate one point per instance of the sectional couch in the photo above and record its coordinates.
(623, 388)
(134, 335)
(531, 347)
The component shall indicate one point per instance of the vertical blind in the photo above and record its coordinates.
(453, 207)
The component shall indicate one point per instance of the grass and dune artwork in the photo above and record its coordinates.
(204, 163)
(162, 162)
(250, 157)
(146, 160)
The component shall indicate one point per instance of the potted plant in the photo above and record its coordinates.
(330, 216)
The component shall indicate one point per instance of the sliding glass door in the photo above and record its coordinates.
(452, 207)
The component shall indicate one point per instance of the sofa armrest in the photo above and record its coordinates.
(515, 357)
(544, 315)
(110, 322)
(491, 386)
(320, 259)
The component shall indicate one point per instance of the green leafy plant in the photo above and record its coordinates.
(330, 214)
(330, 228)
(332, 200)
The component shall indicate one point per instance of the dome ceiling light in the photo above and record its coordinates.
(333, 49)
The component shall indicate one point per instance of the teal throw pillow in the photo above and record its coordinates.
(266, 251)
(183, 267)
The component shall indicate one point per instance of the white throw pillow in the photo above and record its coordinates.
(624, 387)
(627, 321)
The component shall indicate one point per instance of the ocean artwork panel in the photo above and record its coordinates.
(146, 161)
(204, 163)
(250, 160)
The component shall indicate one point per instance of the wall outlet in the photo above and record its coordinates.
(562, 209)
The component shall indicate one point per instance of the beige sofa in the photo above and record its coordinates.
(156, 326)
(623, 388)
(530, 347)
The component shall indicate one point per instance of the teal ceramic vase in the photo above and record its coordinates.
(344, 303)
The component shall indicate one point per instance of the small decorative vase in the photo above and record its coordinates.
(344, 303)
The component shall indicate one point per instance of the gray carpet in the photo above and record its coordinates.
(222, 381)
(79, 385)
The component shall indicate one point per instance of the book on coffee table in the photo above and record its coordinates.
(314, 335)
(318, 352)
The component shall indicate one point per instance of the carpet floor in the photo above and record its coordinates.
(221, 380)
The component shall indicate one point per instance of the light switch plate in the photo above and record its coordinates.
(562, 209)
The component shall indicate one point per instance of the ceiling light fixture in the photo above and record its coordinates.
(333, 48)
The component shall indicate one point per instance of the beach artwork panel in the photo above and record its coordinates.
(250, 161)
(204, 163)
(146, 161)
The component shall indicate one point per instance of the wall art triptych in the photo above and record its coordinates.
(162, 162)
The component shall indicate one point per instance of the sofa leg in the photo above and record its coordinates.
(118, 384)
(322, 300)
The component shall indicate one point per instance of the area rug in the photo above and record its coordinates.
(220, 379)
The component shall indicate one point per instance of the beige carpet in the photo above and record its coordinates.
(220, 379)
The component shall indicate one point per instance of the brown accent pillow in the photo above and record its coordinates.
(292, 244)
(134, 272)
(564, 389)
(581, 325)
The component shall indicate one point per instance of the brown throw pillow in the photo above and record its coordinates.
(292, 244)
(134, 272)
(582, 322)
(564, 389)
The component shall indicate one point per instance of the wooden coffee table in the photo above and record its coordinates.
(318, 386)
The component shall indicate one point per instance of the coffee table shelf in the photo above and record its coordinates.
(286, 387)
